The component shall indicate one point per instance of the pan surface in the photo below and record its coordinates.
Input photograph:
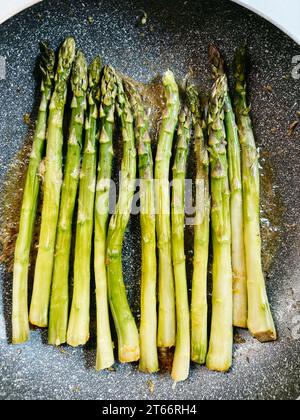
(176, 36)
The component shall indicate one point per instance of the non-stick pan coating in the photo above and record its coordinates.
(175, 36)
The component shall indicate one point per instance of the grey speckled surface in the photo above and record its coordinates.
(176, 36)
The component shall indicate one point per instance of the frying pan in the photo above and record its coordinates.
(175, 36)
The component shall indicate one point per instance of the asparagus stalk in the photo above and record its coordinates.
(59, 304)
(128, 337)
(148, 326)
(52, 188)
(239, 276)
(181, 363)
(105, 354)
(260, 321)
(78, 328)
(199, 309)
(166, 316)
(20, 322)
(236, 203)
(221, 341)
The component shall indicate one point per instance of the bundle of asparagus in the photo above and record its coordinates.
(227, 191)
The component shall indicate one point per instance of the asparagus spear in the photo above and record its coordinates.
(220, 348)
(148, 327)
(78, 328)
(105, 354)
(166, 316)
(128, 337)
(236, 202)
(181, 363)
(20, 323)
(260, 321)
(52, 187)
(201, 237)
(59, 305)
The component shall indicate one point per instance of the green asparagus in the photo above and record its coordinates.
(78, 328)
(221, 340)
(20, 322)
(52, 188)
(59, 304)
(236, 202)
(128, 337)
(260, 321)
(181, 363)
(199, 306)
(148, 327)
(105, 354)
(166, 316)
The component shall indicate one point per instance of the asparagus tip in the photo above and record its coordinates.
(47, 62)
(79, 75)
(240, 63)
(192, 97)
(68, 49)
(95, 72)
(216, 61)
(168, 78)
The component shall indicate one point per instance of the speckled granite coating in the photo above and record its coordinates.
(176, 35)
